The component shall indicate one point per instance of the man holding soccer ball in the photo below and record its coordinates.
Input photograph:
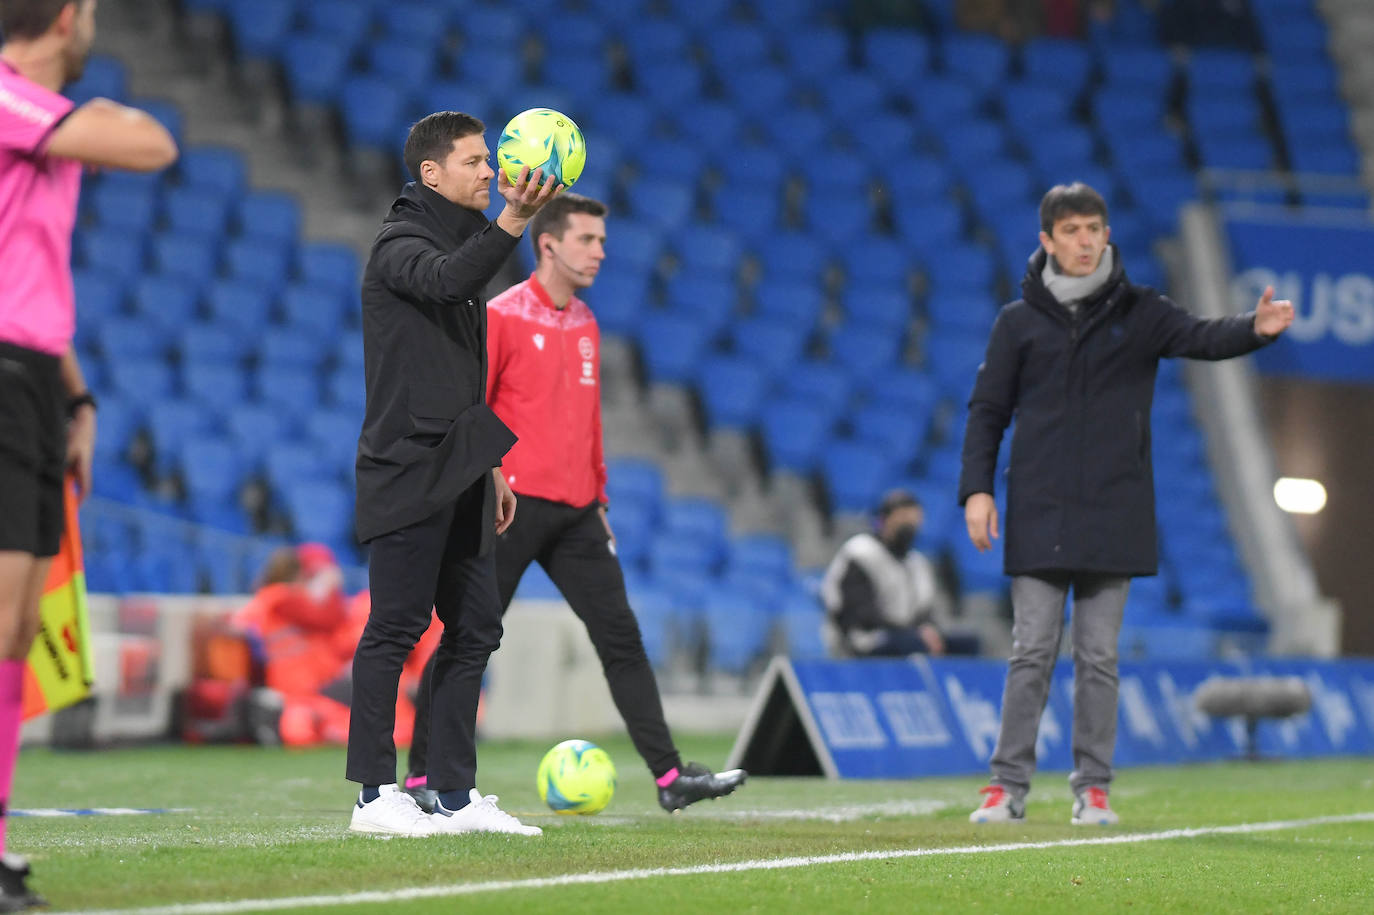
(544, 382)
(1074, 361)
(431, 495)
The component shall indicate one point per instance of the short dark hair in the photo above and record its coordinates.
(894, 499)
(30, 18)
(553, 218)
(1064, 200)
(433, 137)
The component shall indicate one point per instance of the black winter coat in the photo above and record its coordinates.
(1080, 485)
(428, 434)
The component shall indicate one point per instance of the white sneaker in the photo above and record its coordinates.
(1091, 809)
(393, 813)
(999, 806)
(480, 815)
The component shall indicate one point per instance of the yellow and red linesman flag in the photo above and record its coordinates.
(59, 671)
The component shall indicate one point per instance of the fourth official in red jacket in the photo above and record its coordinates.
(543, 381)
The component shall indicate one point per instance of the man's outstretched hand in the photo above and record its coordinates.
(1272, 318)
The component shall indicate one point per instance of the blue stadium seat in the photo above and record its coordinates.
(618, 300)
(731, 45)
(818, 51)
(669, 83)
(672, 345)
(113, 252)
(732, 391)
(1128, 111)
(679, 159)
(171, 423)
(295, 391)
(694, 518)
(212, 471)
(972, 143)
(676, 556)
(345, 21)
(195, 258)
(261, 261)
(758, 91)
(1250, 151)
(164, 112)
(752, 213)
(941, 100)
(709, 298)
(1148, 68)
(308, 309)
(929, 223)
(774, 343)
(622, 115)
(316, 64)
(898, 431)
(321, 512)
(1057, 60)
(1026, 105)
(838, 215)
(242, 305)
(905, 386)
(103, 77)
(650, 37)
(708, 248)
(953, 359)
(767, 555)
(827, 385)
(877, 260)
(329, 265)
(490, 65)
(405, 20)
(737, 631)
(290, 465)
(754, 165)
(634, 243)
(289, 348)
(863, 351)
(1338, 158)
(272, 215)
(130, 338)
(254, 429)
(141, 379)
(346, 391)
(980, 60)
(854, 97)
(856, 474)
(197, 209)
(1224, 113)
(211, 342)
(98, 295)
(124, 208)
(335, 430)
(965, 266)
(634, 479)
(963, 310)
(407, 61)
(496, 25)
(260, 27)
(881, 307)
(712, 125)
(632, 523)
(214, 168)
(797, 128)
(664, 202)
(899, 56)
(374, 111)
(1215, 70)
(794, 432)
(793, 256)
(920, 179)
(214, 383)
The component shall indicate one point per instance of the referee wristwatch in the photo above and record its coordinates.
(77, 401)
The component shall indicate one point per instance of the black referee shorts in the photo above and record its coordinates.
(33, 451)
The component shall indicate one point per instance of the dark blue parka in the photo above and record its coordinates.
(1080, 486)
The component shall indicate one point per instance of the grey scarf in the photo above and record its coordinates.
(1070, 291)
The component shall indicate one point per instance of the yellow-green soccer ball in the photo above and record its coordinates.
(576, 777)
(542, 138)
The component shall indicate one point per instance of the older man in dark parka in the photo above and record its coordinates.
(430, 492)
(1074, 362)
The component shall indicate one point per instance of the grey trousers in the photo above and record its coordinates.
(1037, 625)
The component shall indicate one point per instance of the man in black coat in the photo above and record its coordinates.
(431, 495)
(1074, 362)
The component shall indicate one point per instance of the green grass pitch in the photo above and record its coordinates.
(270, 825)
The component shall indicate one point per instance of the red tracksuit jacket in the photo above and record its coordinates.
(544, 381)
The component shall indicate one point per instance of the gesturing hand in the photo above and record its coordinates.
(1272, 318)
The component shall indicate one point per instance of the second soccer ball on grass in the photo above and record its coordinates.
(576, 776)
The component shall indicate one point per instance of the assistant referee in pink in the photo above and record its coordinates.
(47, 417)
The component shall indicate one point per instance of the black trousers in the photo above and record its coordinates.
(572, 546)
(427, 565)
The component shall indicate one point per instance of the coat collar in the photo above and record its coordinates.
(1034, 291)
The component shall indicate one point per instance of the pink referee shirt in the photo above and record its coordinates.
(38, 195)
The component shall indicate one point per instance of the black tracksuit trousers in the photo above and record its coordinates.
(572, 546)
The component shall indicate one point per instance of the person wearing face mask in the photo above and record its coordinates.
(881, 596)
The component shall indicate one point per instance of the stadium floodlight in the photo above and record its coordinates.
(1299, 496)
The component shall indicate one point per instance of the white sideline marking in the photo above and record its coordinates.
(762, 864)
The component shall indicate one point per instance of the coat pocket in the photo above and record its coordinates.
(433, 407)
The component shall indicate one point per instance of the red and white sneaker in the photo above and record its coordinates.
(1090, 808)
(999, 806)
